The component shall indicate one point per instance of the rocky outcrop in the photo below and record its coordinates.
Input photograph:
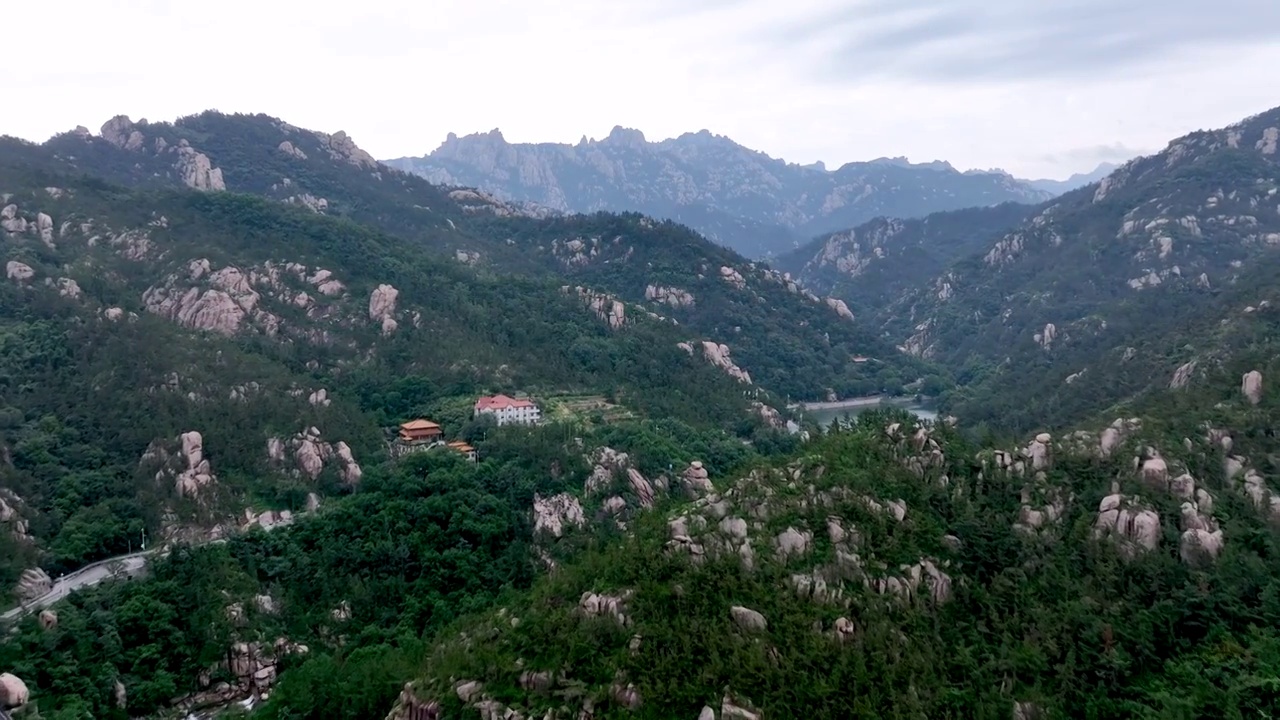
(33, 583)
(733, 277)
(382, 307)
(19, 271)
(695, 481)
(554, 514)
(181, 461)
(288, 148)
(1251, 387)
(604, 306)
(48, 620)
(10, 221)
(10, 519)
(718, 355)
(673, 296)
(341, 147)
(1182, 376)
(197, 171)
(1133, 525)
(608, 606)
(13, 692)
(840, 307)
(121, 132)
(748, 619)
(1046, 336)
(311, 454)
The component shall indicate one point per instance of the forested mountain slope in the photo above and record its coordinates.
(876, 262)
(659, 267)
(1104, 293)
(757, 205)
(1127, 570)
(286, 341)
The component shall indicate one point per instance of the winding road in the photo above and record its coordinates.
(89, 575)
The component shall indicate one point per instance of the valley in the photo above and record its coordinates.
(425, 445)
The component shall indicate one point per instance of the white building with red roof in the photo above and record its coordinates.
(509, 410)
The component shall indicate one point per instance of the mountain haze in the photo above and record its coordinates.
(741, 198)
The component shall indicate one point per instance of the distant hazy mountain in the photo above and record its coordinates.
(1058, 187)
(753, 203)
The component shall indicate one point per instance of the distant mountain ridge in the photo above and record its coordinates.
(1077, 180)
(742, 198)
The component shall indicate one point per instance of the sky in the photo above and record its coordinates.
(1040, 88)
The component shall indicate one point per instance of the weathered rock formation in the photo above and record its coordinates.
(13, 692)
(1132, 524)
(554, 514)
(1251, 386)
(311, 453)
(382, 307)
(19, 271)
(182, 462)
(673, 296)
(718, 355)
(33, 583)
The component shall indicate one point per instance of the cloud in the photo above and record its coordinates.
(985, 40)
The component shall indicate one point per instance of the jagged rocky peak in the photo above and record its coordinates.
(626, 137)
(342, 147)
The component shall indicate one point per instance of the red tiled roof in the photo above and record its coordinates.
(418, 425)
(500, 402)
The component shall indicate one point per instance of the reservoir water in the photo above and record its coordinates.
(826, 413)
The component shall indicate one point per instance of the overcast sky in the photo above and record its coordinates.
(1038, 87)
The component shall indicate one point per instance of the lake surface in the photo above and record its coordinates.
(826, 413)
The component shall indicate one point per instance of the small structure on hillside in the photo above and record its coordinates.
(464, 449)
(508, 410)
(416, 436)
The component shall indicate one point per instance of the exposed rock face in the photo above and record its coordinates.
(15, 270)
(792, 542)
(733, 277)
(696, 482)
(44, 226)
(287, 148)
(68, 288)
(641, 487)
(606, 307)
(197, 171)
(10, 221)
(382, 306)
(212, 310)
(33, 583)
(675, 297)
(342, 147)
(1182, 376)
(1251, 386)
(719, 356)
(840, 307)
(121, 132)
(48, 620)
(1046, 337)
(748, 619)
(614, 606)
(1136, 527)
(311, 453)
(9, 516)
(13, 692)
(553, 514)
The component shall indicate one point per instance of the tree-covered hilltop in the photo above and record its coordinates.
(713, 292)
(890, 570)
